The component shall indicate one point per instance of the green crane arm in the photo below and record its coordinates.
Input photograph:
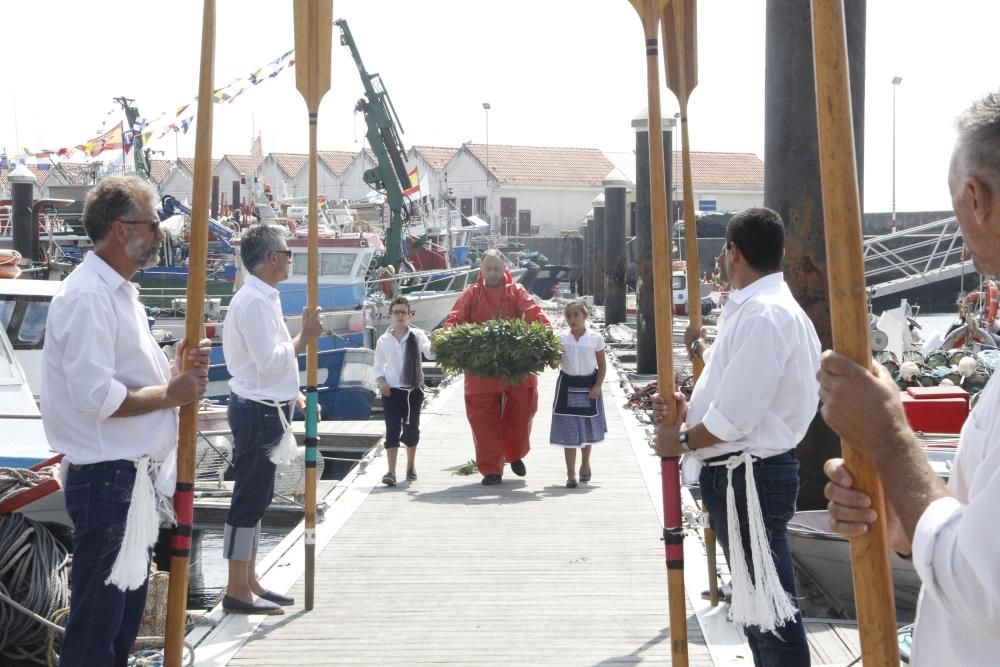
(390, 175)
(141, 157)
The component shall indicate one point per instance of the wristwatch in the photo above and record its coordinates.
(682, 438)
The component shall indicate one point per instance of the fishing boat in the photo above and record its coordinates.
(826, 557)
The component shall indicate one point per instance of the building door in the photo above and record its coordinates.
(524, 223)
(466, 206)
(508, 215)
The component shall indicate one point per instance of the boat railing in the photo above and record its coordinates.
(166, 298)
(419, 282)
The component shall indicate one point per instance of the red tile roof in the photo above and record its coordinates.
(336, 161)
(77, 173)
(158, 169)
(435, 156)
(188, 163)
(722, 171)
(244, 164)
(555, 166)
(290, 163)
(40, 176)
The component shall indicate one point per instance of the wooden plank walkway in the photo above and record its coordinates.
(445, 570)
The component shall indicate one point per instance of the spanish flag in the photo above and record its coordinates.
(112, 139)
(414, 189)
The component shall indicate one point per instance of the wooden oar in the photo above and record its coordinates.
(673, 535)
(873, 590)
(680, 56)
(313, 38)
(180, 544)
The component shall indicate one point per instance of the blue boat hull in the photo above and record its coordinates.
(344, 382)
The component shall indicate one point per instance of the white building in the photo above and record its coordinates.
(430, 162)
(526, 190)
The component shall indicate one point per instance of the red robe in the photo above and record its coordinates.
(500, 414)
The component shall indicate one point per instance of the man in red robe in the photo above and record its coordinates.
(500, 414)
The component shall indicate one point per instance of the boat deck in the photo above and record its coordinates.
(447, 571)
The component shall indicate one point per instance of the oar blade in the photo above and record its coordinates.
(680, 45)
(313, 44)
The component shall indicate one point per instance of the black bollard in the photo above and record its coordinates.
(236, 198)
(792, 185)
(215, 198)
(645, 324)
(22, 188)
(598, 251)
(614, 247)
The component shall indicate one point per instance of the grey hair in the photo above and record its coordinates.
(257, 242)
(492, 252)
(114, 198)
(979, 137)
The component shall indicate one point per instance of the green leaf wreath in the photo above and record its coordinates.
(506, 349)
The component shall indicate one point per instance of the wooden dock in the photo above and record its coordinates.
(447, 571)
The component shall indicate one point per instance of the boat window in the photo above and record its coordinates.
(8, 372)
(33, 323)
(6, 311)
(678, 283)
(330, 263)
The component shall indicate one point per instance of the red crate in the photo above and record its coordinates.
(936, 415)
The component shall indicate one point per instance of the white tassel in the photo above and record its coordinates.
(763, 603)
(286, 449)
(142, 526)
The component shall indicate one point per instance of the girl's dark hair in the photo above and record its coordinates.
(578, 303)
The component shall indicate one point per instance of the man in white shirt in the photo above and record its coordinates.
(754, 402)
(109, 402)
(950, 530)
(262, 359)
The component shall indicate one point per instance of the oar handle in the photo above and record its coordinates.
(873, 588)
(193, 328)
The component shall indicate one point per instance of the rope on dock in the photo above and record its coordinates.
(34, 585)
(14, 481)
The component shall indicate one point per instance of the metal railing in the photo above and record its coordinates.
(914, 252)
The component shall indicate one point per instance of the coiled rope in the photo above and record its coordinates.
(18, 480)
(34, 585)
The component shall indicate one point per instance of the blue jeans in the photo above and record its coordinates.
(257, 429)
(103, 621)
(777, 481)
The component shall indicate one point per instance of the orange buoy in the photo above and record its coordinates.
(385, 282)
(9, 260)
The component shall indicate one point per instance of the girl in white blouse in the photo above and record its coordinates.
(578, 412)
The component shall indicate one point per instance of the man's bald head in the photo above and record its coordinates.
(492, 267)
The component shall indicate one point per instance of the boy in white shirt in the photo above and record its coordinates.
(400, 381)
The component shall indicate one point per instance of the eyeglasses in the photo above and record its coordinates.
(400, 312)
(154, 224)
(286, 253)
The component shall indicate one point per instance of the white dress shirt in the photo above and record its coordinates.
(258, 349)
(97, 346)
(390, 355)
(956, 551)
(758, 391)
(579, 357)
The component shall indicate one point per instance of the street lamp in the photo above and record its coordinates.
(896, 80)
(486, 107)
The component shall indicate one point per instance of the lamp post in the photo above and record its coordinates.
(486, 107)
(896, 80)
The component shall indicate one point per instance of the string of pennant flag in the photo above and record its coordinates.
(179, 120)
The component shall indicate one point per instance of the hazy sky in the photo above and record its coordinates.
(556, 72)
